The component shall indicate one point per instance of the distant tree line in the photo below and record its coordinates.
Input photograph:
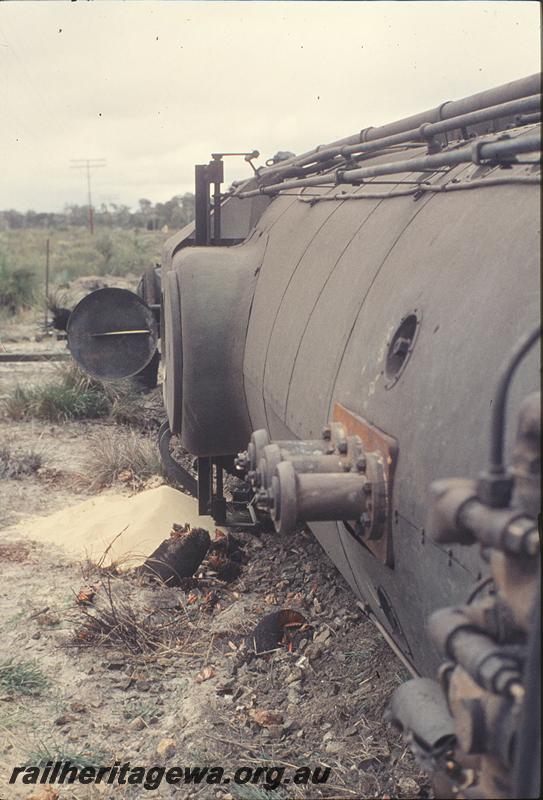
(172, 214)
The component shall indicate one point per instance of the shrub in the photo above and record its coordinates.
(17, 288)
(72, 396)
(18, 463)
(128, 458)
(56, 402)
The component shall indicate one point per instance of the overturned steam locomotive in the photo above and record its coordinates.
(354, 332)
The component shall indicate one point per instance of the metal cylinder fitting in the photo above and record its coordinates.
(304, 497)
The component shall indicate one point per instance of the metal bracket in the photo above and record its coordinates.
(373, 440)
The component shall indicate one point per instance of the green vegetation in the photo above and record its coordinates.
(42, 753)
(124, 242)
(13, 716)
(17, 287)
(173, 214)
(21, 677)
(72, 395)
(146, 709)
(73, 253)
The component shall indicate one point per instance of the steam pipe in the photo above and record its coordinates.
(496, 466)
(429, 129)
(424, 131)
(523, 87)
(475, 152)
(528, 119)
(436, 188)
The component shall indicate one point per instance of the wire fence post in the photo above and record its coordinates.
(45, 321)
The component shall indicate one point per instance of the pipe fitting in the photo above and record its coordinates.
(331, 478)
(489, 665)
(447, 498)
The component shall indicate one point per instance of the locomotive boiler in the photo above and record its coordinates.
(341, 330)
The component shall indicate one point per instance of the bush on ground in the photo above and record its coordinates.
(18, 463)
(17, 288)
(71, 395)
(130, 459)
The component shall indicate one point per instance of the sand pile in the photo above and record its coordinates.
(125, 529)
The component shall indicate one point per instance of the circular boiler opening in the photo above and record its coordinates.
(400, 347)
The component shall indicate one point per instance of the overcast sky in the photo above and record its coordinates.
(154, 88)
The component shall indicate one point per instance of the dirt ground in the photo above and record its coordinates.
(178, 685)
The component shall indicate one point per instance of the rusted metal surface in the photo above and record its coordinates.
(172, 346)
(526, 461)
(208, 297)
(179, 475)
(278, 628)
(374, 440)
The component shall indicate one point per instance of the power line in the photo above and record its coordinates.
(88, 164)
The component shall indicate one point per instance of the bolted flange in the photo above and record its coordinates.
(331, 478)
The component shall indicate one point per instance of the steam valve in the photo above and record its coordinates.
(330, 478)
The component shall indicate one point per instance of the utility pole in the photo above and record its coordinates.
(88, 164)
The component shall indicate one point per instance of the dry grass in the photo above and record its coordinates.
(16, 552)
(21, 677)
(126, 406)
(116, 622)
(128, 458)
(16, 463)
